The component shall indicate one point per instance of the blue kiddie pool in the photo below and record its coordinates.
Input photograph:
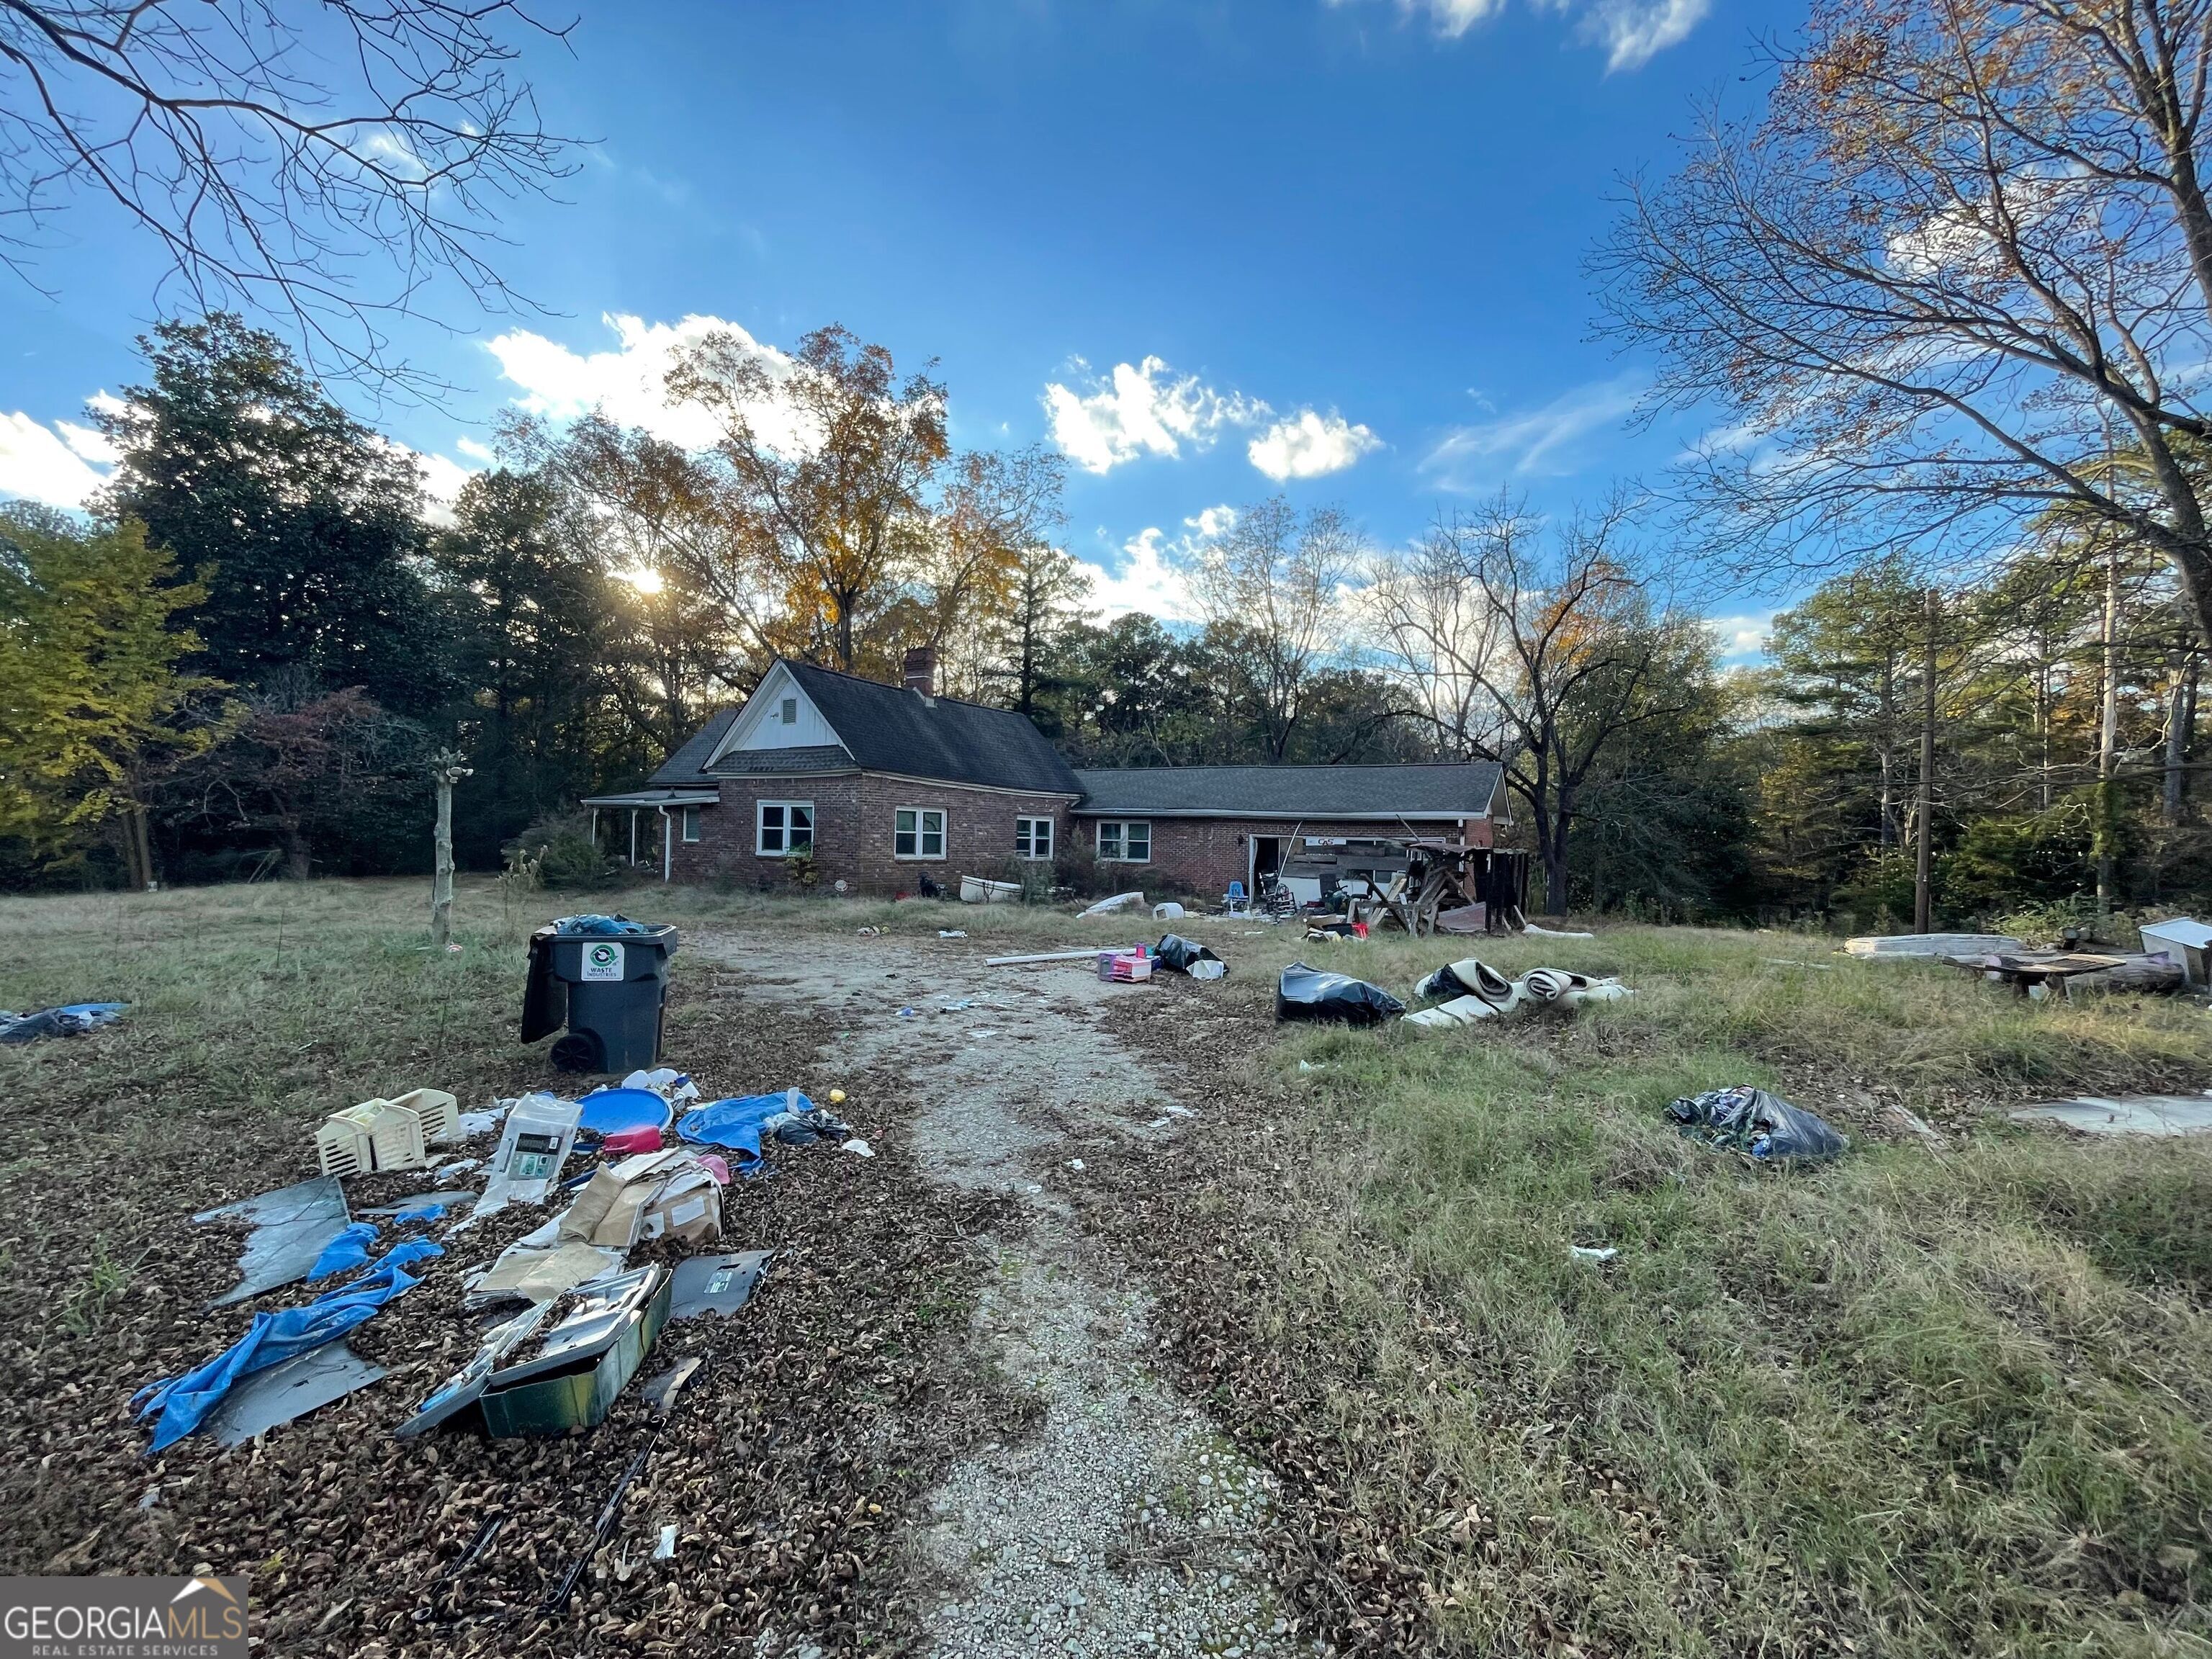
(610, 1111)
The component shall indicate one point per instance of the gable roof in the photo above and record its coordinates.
(887, 728)
(1458, 790)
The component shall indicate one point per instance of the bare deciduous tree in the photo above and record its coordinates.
(1963, 259)
(1542, 654)
(277, 154)
(1276, 579)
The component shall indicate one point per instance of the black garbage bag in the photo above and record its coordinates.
(1758, 1124)
(1175, 951)
(1308, 993)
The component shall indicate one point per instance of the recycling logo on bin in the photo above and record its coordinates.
(603, 960)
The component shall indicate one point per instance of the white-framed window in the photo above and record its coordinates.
(781, 827)
(690, 823)
(1125, 841)
(791, 711)
(1032, 838)
(918, 832)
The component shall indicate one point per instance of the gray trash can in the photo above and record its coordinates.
(617, 997)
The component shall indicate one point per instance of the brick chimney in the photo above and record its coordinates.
(921, 670)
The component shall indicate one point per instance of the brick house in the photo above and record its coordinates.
(884, 784)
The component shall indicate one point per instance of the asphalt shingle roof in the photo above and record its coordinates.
(1463, 789)
(888, 728)
(682, 768)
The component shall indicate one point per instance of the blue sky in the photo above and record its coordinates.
(1211, 250)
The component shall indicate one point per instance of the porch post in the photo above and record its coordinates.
(633, 837)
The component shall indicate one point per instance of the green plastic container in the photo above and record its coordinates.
(588, 1359)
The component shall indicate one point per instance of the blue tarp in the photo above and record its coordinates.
(71, 1019)
(348, 1251)
(735, 1125)
(184, 1403)
(597, 927)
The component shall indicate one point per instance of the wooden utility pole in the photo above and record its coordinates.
(1924, 864)
(446, 769)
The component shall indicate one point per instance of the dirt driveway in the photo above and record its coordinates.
(1112, 1521)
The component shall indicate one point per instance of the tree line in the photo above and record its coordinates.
(244, 662)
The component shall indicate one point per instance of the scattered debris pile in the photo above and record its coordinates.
(1762, 1126)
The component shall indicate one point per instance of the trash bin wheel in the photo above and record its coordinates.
(577, 1052)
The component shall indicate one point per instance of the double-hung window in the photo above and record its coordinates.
(1032, 838)
(690, 823)
(918, 832)
(1125, 841)
(781, 827)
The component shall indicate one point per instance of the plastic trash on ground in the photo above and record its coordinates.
(181, 1404)
(1757, 1124)
(1469, 977)
(1308, 993)
(1170, 911)
(617, 1111)
(301, 1384)
(1107, 907)
(541, 1131)
(291, 1226)
(387, 1134)
(70, 1019)
(1125, 967)
(1185, 956)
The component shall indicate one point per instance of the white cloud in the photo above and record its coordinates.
(629, 384)
(1138, 412)
(1633, 31)
(1538, 442)
(443, 478)
(1154, 576)
(1742, 638)
(53, 464)
(477, 451)
(1309, 445)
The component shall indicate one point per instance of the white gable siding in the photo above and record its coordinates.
(760, 723)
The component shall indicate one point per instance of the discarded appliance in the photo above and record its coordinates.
(588, 1359)
(975, 889)
(1757, 1124)
(1308, 993)
(1170, 911)
(70, 1019)
(2186, 942)
(609, 987)
(378, 1136)
(540, 1132)
(291, 1227)
(2123, 1115)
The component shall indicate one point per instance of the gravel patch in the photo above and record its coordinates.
(1110, 1518)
